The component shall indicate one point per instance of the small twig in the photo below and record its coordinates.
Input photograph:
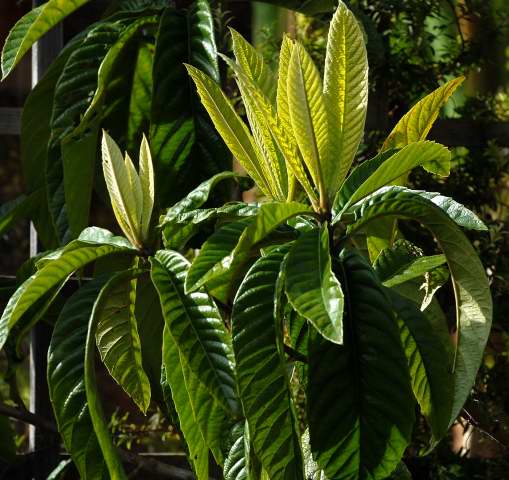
(472, 421)
(27, 417)
(295, 354)
(156, 467)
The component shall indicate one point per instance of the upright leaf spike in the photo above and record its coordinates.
(146, 172)
(346, 94)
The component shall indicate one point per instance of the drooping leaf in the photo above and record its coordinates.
(416, 124)
(430, 364)
(360, 403)
(66, 369)
(473, 298)
(346, 94)
(308, 113)
(311, 286)
(91, 245)
(261, 370)
(108, 449)
(196, 326)
(185, 146)
(215, 256)
(198, 451)
(118, 340)
(229, 125)
(33, 26)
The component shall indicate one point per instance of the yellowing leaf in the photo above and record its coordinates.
(283, 109)
(146, 173)
(229, 125)
(346, 94)
(416, 124)
(308, 114)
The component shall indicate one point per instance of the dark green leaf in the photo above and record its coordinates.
(196, 326)
(66, 384)
(185, 146)
(19, 208)
(473, 298)
(360, 403)
(261, 370)
(311, 286)
(430, 364)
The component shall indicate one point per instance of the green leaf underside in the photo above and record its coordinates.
(33, 26)
(66, 357)
(429, 363)
(118, 340)
(198, 451)
(261, 370)
(236, 461)
(311, 286)
(87, 248)
(473, 298)
(108, 449)
(360, 403)
(346, 94)
(195, 325)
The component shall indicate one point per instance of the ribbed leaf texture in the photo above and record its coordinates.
(118, 340)
(196, 326)
(311, 286)
(261, 370)
(416, 124)
(198, 451)
(473, 298)
(33, 26)
(66, 356)
(308, 112)
(230, 126)
(185, 146)
(92, 244)
(236, 462)
(360, 403)
(215, 256)
(429, 362)
(346, 94)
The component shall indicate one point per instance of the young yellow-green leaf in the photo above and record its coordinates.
(120, 190)
(308, 112)
(282, 135)
(135, 184)
(431, 156)
(346, 95)
(146, 174)
(416, 124)
(118, 340)
(271, 161)
(230, 126)
(33, 26)
(283, 109)
(253, 65)
(311, 286)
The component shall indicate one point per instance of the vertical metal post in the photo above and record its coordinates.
(44, 445)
